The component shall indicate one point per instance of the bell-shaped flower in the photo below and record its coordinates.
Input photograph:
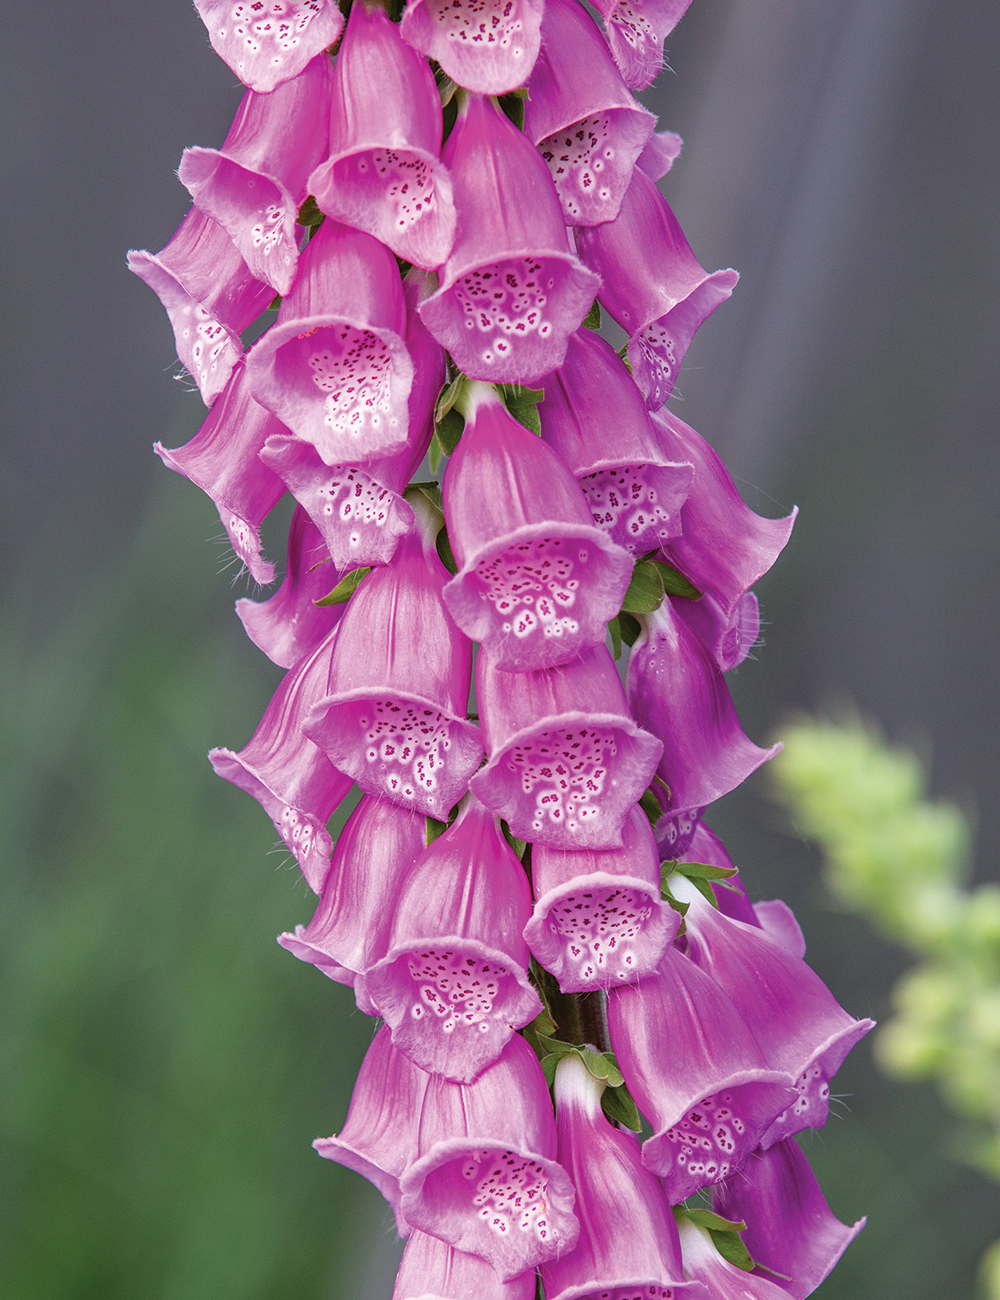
(289, 625)
(579, 112)
(489, 46)
(660, 153)
(393, 714)
(255, 184)
(487, 1180)
(537, 579)
(778, 922)
(359, 509)
(790, 1228)
(723, 1281)
(652, 284)
(511, 291)
(598, 919)
(351, 928)
(729, 637)
(696, 1072)
(222, 459)
(674, 833)
(635, 492)
(209, 295)
(724, 546)
(797, 1021)
(334, 366)
(452, 983)
(384, 172)
(566, 761)
(433, 1270)
(628, 1244)
(677, 692)
(380, 1138)
(290, 777)
(636, 32)
(267, 42)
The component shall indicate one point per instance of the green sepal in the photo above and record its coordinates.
(630, 627)
(345, 588)
(432, 491)
(522, 403)
(434, 453)
(448, 396)
(725, 1234)
(309, 213)
(403, 266)
(275, 303)
(512, 104)
(651, 806)
(517, 845)
(603, 1066)
(444, 551)
(700, 883)
(615, 632)
(619, 1107)
(592, 320)
(666, 871)
(446, 87)
(449, 429)
(623, 353)
(434, 829)
(674, 582)
(706, 1219)
(696, 871)
(645, 590)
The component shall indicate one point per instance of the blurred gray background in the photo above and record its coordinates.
(165, 1065)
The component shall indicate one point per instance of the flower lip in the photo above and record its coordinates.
(267, 43)
(487, 46)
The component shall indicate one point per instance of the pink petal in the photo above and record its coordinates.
(266, 42)
(488, 46)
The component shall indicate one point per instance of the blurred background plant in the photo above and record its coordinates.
(165, 1066)
(903, 862)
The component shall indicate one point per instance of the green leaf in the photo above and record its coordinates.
(623, 353)
(615, 629)
(309, 213)
(674, 582)
(345, 588)
(513, 105)
(517, 845)
(548, 1064)
(447, 397)
(619, 1107)
(543, 1024)
(444, 551)
(603, 1066)
(651, 806)
(730, 1246)
(645, 591)
(434, 452)
(630, 628)
(275, 303)
(522, 403)
(432, 491)
(592, 320)
(449, 429)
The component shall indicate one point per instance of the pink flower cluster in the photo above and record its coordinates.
(441, 207)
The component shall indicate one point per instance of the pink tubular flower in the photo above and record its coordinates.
(393, 714)
(795, 1018)
(579, 113)
(289, 625)
(209, 295)
(537, 580)
(255, 184)
(334, 366)
(652, 284)
(598, 919)
(222, 460)
(661, 152)
(384, 173)
(372, 858)
(359, 509)
(724, 1281)
(290, 777)
(730, 638)
(790, 1227)
(696, 1071)
(489, 46)
(433, 1270)
(452, 982)
(267, 42)
(636, 32)
(511, 291)
(628, 1245)
(486, 1180)
(381, 1136)
(566, 762)
(724, 546)
(634, 491)
(678, 693)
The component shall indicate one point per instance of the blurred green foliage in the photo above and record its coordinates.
(165, 1064)
(902, 861)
